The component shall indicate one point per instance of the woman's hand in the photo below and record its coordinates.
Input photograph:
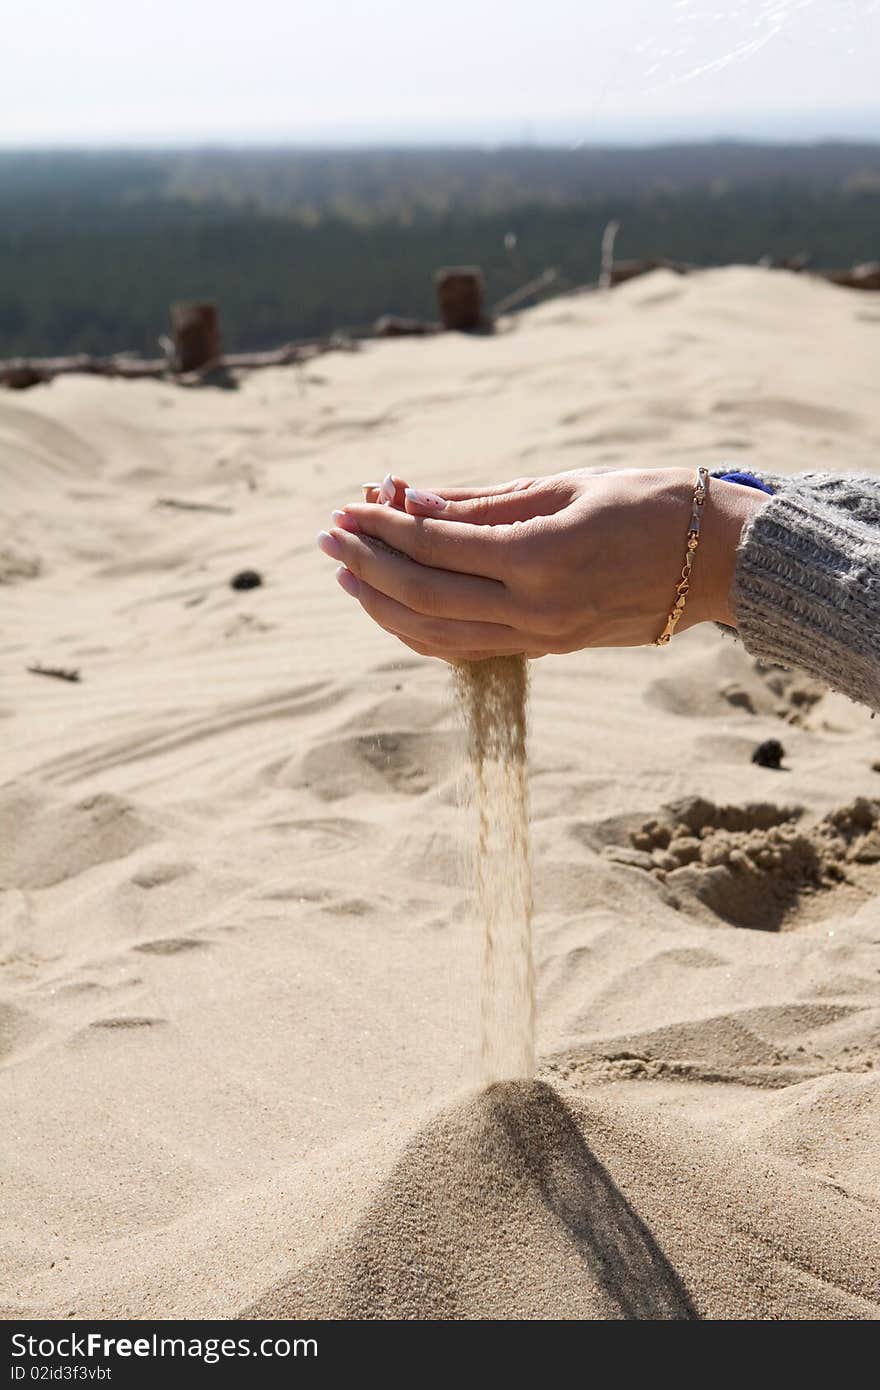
(538, 565)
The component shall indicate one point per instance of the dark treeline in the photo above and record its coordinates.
(369, 185)
(93, 248)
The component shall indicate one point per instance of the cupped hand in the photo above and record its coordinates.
(538, 565)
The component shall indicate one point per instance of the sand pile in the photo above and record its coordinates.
(495, 1209)
(511, 1205)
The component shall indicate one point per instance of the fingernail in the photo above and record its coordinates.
(425, 499)
(330, 545)
(387, 492)
(346, 580)
(346, 522)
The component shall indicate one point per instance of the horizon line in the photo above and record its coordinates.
(221, 145)
(783, 126)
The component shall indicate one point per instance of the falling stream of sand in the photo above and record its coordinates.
(493, 696)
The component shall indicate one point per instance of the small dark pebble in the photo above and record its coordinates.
(875, 767)
(769, 753)
(246, 579)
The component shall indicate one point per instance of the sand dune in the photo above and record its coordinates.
(238, 1027)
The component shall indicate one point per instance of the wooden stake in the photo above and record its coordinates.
(196, 329)
(460, 297)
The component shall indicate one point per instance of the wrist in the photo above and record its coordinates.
(730, 507)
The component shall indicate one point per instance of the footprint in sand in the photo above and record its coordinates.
(17, 1029)
(728, 681)
(794, 694)
(17, 565)
(46, 841)
(400, 762)
(317, 838)
(756, 865)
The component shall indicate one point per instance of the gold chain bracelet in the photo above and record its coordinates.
(701, 492)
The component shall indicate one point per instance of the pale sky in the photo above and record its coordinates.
(239, 71)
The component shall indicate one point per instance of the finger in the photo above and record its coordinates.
(489, 509)
(432, 592)
(418, 647)
(486, 551)
(455, 658)
(390, 492)
(452, 658)
(566, 480)
(438, 634)
(462, 494)
(372, 491)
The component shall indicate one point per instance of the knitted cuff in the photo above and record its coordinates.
(806, 589)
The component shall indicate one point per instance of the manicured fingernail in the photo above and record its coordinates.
(425, 499)
(387, 492)
(330, 545)
(346, 580)
(346, 522)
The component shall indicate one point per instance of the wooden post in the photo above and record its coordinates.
(460, 297)
(196, 329)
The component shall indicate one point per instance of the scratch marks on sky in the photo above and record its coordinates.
(743, 29)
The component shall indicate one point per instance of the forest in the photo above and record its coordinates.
(94, 246)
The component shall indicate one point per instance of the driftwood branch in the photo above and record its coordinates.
(858, 277)
(18, 373)
(541, 282)
(394, 326)
(21, 372)
(797, 263)
(60, 673)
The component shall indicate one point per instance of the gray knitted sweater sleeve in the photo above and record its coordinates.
(806, 589)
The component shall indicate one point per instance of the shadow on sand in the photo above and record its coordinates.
(614, 1243)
